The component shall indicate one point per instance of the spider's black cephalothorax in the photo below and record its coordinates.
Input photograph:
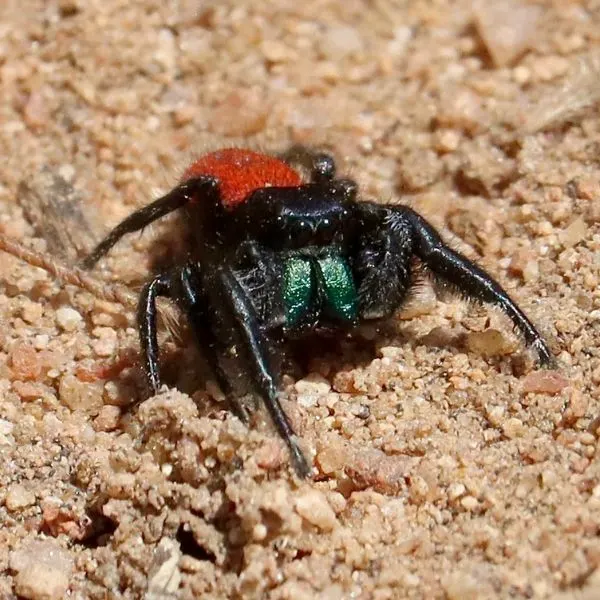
(273, 257)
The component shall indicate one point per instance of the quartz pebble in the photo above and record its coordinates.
(68, 318)
(314, 508)
(43, 570)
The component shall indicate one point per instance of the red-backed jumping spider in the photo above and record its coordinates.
(273, 257)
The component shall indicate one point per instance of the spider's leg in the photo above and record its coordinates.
(465, 276)
(320, 165)
(242, 341)
(161, 285)
(176, 198)
(260, 277)
(382, 262)
(193, 301)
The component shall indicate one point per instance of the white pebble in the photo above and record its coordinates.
(68, 318)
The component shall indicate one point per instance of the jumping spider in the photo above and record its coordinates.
(273, 257)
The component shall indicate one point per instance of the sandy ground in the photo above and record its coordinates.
(446, 465)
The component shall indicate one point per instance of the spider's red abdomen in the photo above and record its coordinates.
(240, 172)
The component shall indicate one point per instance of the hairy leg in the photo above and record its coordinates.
(161, 285)
(175, 199)
(412, 231)
(242, 342)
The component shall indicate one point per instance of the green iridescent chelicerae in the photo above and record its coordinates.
(326, 280)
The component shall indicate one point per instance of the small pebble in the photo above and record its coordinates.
(313, 384)
(507, 28)
(32, 312)
(68, 319)
(106, 345)
(456, 490)
(259, 532)
(490, 342)
(108, 418)
(469, 503)
(25, 361)
(79, 395)
(314, 508)
(43, 570)
(544, 382)
(40, 341)
(574, 233)
(18, 497)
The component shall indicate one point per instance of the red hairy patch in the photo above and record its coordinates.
(240, 172)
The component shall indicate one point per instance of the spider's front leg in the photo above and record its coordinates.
(180, 285)
(177, 198)
(224, 318)
(160, 285)
(404, 227)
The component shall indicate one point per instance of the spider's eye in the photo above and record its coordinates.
(300, 231)
(327, 230)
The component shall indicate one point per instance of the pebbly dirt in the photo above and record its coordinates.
(446, 464)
